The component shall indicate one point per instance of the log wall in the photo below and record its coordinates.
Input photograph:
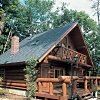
(14, 76)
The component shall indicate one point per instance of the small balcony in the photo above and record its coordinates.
(70, 55)
(81, 58)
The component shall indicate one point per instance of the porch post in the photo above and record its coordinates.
(51, 88)
(64, 89)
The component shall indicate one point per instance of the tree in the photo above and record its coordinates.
(84, 20)
(33, 17)
(9, 10)
(95, 38)
(96, 8)
(39, 14)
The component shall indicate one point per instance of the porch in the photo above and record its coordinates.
(67, 87)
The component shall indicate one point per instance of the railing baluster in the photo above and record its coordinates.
(64, 89)
(51, 88)
(96, 82)
(92, 85)
(85, 85)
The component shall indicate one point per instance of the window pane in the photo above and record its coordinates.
(58, 72)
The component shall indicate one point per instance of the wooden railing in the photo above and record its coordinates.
(71, 54)
(91, 83)
(64, 81)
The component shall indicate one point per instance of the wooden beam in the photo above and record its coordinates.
(50, 88)
(15, 87)
(54, 80)
(68, 77)
(64, 89)
(13, 84)
(39, 87)
(96, 82)
(14, 81)
(48, 80)
(85, 85)
(51, 57)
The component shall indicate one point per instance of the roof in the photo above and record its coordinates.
(40, 45)
(35, 46)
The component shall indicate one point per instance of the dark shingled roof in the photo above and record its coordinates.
(35, 46)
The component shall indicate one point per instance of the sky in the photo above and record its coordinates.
(79, 5)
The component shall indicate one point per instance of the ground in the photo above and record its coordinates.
(12, 97)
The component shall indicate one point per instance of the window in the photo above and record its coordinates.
(59, 72)
(56, 71)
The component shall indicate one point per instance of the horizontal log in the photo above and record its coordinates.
(14, 77)
(51, 57)
(54, 80)
(21, 88)
(68, 77)
(15, 81)
(91, 77)
(48, 80)
(97, 77)
(13, 84)
(13, 71)
(14, 74)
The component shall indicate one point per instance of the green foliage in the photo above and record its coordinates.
(2, 42)
(93, 41)
(31, 18)
(30, 76)
(96, 8)
(38, 14)
(84, 20)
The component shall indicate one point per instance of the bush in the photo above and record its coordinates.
(31, 77)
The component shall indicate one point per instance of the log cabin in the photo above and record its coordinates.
(63, 65)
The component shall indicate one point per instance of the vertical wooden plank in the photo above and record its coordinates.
(39, 87)
(51, 88)
(96, 82)
(85, 85)
(75, 87)
(64, 89)
(92, 85)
